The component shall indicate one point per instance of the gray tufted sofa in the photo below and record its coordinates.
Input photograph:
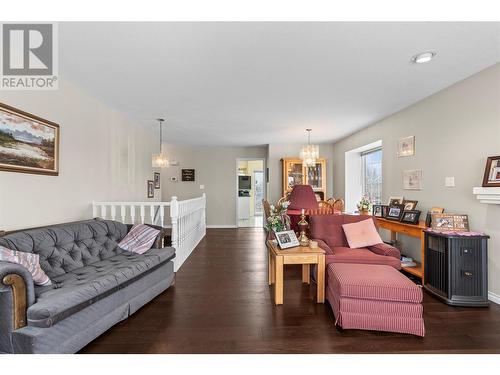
(95, 285)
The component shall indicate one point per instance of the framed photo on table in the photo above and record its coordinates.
(286, 239)
(410, 217)
(410, 205)
(395, 212)
(379, 210)
(492, 172)
(395, 199)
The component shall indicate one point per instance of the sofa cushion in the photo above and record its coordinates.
(28, 261)
(77, 289)
(329, 229)
(361, 234)
(67, 247)
(139, 239)
(374, 282)
(361, 256)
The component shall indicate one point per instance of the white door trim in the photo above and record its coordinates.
(264, 171)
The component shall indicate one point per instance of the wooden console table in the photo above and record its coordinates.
(413, 230)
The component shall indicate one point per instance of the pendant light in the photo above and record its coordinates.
(309, 153)
(160, 160)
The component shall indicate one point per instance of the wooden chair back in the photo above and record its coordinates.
(267, 209)
(338, 205)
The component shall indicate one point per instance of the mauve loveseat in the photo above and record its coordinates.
(95, 285)
(328, 231)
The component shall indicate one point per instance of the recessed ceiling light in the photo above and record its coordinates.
(423, 57)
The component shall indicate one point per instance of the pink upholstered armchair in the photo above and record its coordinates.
(327, 230)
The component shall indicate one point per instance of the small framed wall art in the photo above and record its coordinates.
(406, 146)
(412, 179)
(151, 189)
(157, 180)
(492, 172)
(187, 175)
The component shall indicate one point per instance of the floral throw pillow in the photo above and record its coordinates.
(29, 261)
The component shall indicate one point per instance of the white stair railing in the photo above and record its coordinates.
(187, 220)
(188, 226)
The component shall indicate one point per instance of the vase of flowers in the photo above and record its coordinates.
(364, 206)
(278, 220)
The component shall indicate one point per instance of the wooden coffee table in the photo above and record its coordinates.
(295, 255)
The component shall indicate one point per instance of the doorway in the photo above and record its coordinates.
(250, 191)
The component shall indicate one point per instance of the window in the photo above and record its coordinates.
(371, 174)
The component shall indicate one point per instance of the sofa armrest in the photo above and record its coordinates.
(322, 244)
(385, 249)
(17, 292)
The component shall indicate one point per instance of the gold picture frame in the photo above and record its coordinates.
(28, 143)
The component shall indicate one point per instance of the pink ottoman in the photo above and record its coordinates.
(374, 297)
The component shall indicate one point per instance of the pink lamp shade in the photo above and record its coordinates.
(302, 196)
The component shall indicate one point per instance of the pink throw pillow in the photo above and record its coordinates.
(139, 239)
(29, 261)
(361, 234)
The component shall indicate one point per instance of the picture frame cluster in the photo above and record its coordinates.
(398, 209)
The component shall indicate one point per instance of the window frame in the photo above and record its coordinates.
(363, 155)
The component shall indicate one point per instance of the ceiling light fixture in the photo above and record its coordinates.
(160, 160)
(309, 153)
(423, 57)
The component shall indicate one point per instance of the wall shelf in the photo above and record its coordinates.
(488, 195)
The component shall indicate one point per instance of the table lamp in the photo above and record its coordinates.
(301, 198)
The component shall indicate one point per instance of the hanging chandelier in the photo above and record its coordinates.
(160, 160)
(309, 153)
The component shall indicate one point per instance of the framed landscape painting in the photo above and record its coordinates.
(28, 143)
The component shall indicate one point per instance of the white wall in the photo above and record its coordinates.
(102, 157)
(291, 150)
(215, 167)
(455, 130)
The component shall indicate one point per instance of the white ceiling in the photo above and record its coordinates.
(260, 83)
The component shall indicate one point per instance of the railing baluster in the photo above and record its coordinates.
(143, 213)
(162, 215)
(113, 212)
(103, 211)
(123, 213)
(132, 213)
(152, 213)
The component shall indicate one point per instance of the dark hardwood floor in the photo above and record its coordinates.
(221, 303)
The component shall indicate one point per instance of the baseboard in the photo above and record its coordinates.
(221, 226)
(494, 297)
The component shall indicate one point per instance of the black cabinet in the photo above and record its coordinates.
(456, 268)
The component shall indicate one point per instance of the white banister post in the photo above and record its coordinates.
(94, 210)
(174, 213)
(122, 212)
(152, 213)
(103, 211)
(143, 213)
(162, 214)
(132, 213)
(113, 212)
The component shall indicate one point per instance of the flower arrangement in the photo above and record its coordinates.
(278, 220)
(364, 204)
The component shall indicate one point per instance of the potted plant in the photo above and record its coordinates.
(364, 206)
(278, 220)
